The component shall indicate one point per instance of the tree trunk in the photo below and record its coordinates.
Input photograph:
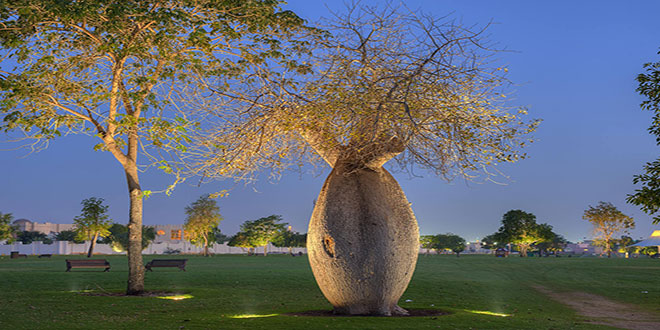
(134, 251)
(206, 246)
(290, 250)
(363, 241)
(523, 251)
(92, 245)
(266, 249)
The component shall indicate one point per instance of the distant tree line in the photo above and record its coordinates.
(443, 242)
(270, 229)
(520, 231)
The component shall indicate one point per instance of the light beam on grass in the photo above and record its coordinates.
(488, 313)
(177, 297)
(250, 316)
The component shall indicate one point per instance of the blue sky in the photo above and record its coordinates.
(573, 64)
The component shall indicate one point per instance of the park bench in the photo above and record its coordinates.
(87, 263)
(45, 255)
(16, 255)
(179, 263)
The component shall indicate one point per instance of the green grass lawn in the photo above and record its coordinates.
(241, 292)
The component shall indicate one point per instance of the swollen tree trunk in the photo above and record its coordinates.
(363, 240)
(92, 245)
(134, 251)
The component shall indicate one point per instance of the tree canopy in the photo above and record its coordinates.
(92, 222)
(428, 242)
(520, 228)
(607, 221)
(259, 232)
(648, 196)
(27, 237)
(7, 230)
(242, 240)
(385, 81)
(202, 217)
(451, 242)
(290, 239)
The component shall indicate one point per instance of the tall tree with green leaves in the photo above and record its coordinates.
(648, 196)
(262, 231)
(520, 228)
(624, 245)
(551, 241)
(451, 242)
(92, 223)
(124, 71)
(7, 231)
(28, 236)
(242, 240)
(428, 242)
(290, 240)
(202, 217)
(607, 221)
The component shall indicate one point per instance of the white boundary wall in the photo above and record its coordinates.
(67, 248)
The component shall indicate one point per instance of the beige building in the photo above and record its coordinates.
(170, 234)
(46, 227)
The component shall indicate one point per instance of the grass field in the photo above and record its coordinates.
(241, 292)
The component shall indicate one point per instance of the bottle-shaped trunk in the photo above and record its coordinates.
(363, 241)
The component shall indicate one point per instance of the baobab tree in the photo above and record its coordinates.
(117, 71)
(389, 83)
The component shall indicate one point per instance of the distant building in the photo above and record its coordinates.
(585, 247)
(476, 247)
(46, 227)
(170, 234)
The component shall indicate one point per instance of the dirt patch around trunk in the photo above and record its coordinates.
(600, 310)
(411, 313)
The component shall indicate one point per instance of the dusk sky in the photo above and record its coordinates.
(573, 64)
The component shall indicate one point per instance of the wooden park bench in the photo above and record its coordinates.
(45, 255)
(179, 263)
(16, 255)
(87, 263)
